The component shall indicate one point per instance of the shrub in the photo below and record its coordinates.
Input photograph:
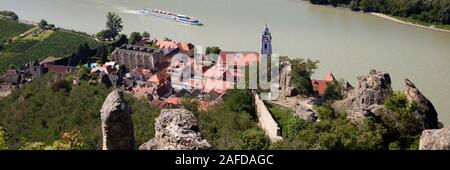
(60, 84)
(251, 139)
(2, 139)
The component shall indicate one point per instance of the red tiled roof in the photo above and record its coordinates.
(204, 105)
(58, 68)
(238, 58)
(173, 100)
(158, 103)
(183, 46)
(166, 44)
(159, 77)
(216, 85)
(329, 77)
(215, 72)
(320, 86)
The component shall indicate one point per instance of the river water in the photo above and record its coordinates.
(346, 43)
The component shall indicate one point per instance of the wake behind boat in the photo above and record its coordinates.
(170, 16)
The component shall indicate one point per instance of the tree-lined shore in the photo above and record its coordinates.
(431, 14)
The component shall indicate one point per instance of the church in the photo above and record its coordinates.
(266, 42)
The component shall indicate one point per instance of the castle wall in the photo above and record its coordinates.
(266, 121)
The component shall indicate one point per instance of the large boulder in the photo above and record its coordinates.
(176, 129)
(435, 139)
(425, 111)
(367, 97)
(286, 87)
(305, 109)
(117, 124)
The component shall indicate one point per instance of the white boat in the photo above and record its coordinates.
(170, 16)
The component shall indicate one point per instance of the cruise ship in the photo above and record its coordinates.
(171, 16)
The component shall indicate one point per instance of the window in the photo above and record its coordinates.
(265, 46)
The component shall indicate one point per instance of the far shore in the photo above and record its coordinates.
(387, 17)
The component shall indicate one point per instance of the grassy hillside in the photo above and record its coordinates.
(10, 29)
(27, 49)
(36, 113)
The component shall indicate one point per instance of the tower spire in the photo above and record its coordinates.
(266, 42)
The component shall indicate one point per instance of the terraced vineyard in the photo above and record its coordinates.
(59, 43)
(10, 29)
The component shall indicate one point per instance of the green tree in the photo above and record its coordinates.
(102, 54)
(114, 24)
(2, 139)
(252, 139)
(82, 73)
(104, 35)
(239, 100)
(135, 37)
(42, 24)
(335, 90)
(212, 50)
(301, 74)
(9, 15)
(146, 34)
(402, 126)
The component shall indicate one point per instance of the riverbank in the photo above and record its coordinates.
(387, 17)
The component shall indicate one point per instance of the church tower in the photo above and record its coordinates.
(266, 42)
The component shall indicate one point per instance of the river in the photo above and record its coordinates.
(346, 43)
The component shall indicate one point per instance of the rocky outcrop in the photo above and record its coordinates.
(176, 129)
(117, 124)
(367, 97)
(286, 88)
(304, 109)
(104, 79)
(425, 111)
(436, 139)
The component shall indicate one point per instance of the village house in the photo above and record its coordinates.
(320, 86)
(237, 61)
(59, 69)
(132, 57)
(13, 77)
(185, 48)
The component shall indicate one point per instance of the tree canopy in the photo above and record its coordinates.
(135, 37)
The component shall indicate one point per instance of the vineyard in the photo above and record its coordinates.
(10, 29)
(58, 43)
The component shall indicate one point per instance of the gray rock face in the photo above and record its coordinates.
(286, 88)
(117, 124)
(368, 96)
(436, 139)
(305, 111)
(176, 129)
(425, 112)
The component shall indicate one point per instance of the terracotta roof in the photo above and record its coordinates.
(173, 100)
(320, 86)
(159, 77)
(183, 46)
(142, 92)
(158, 103)
(204, 105)
(329, 77)
(216, 85)
(215, 72)
(58, 68)
(166, 44)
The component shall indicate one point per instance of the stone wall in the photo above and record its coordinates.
(134, 57)
(266, 121)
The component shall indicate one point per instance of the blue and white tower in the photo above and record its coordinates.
(266, 42)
